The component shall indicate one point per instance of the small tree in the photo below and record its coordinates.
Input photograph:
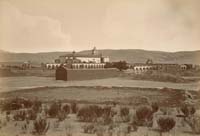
(109, 65)
(121, 65)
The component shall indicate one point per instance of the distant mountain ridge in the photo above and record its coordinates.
(129, 55)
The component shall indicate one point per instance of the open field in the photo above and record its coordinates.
(16, 83)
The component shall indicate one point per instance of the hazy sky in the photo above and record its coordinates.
(66, 25)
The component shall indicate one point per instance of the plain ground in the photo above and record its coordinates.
(16, 83)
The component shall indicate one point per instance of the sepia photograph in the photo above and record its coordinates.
(99, 67)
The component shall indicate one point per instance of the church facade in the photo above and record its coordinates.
(91, 60)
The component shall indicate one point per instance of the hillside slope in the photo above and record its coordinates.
(130, 55)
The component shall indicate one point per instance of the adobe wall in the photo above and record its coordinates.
(88, 74)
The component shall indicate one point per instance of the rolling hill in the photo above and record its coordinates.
(129, 55)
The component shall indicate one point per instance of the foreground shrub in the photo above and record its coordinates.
(107, 115)
(154, 106)
(31, 115)
(144, 116)
(89, 113)
(187, 110)
(94, 113)
(73, 107)
(16, 104)
(36, 107)
(54, 109)
(124, 113)
(166, 123)
(190, 118)
(19, 116)
(61, 115)
(194, 123)
(40, 126)
(89, 128)
(66, 109)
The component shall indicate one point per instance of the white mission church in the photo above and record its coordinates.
(92, 60)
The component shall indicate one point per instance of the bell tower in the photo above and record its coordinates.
(94, 51)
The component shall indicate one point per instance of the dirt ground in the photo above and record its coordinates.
(17, 83)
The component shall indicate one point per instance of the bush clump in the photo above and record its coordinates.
(89, 128)
(94, 113)
(124, 113)
(31, 115)
(194, 123)
(16, 104)
(36, 106)
(19, 116)
(54, 109)
(74, 107)
(144, 116)
(61, 115)
(107, 115)
(190, 118)
(89, 113)
(187, 110)
(154, 106)
(40, 126)
(66, 109)
(166, 123)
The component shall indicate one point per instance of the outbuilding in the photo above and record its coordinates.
(67, 74)
(61, 73)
